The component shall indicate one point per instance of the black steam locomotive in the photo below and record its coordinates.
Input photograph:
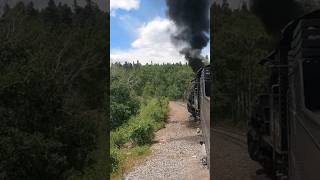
(284, 129)
(199, 103)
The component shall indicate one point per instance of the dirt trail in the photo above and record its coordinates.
(176, 153)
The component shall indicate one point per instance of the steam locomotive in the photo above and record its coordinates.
(199, 103)
(284, 128)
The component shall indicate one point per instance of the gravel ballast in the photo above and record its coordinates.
(177, 152)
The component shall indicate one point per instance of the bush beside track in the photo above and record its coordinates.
(133, 139)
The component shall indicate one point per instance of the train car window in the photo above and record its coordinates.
(311, 78)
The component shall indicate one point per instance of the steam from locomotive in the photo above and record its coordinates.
(192, 19)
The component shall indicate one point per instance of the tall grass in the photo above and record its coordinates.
(133, 139)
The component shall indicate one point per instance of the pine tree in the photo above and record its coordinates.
(225, 5)
(76, 7)
(30, 9)
(20, 8)
(244, 6)
(51, 13)
(6, 9)
(66, 14)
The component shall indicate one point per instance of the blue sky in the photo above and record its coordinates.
(141, 30)
(124, 22)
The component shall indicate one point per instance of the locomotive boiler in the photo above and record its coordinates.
(284, 128)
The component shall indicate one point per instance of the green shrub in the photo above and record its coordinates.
(123, 104)
(155, 109)
(120, 136)
(139, 130)
(115, 159)
(140, 150)
(142, 133)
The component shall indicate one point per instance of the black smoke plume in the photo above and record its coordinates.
(275, 14)
(192, 19)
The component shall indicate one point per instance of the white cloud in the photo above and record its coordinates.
(206, 51)
(153, 44)
(124, 5)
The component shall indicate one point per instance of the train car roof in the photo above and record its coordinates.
(287, 34)
(287, 31)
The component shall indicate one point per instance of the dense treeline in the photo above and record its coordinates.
(131, 82)
(53, 75)
(239, 43)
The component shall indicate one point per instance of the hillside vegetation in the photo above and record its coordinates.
(239, 43)
(53, 74)
(139, 107)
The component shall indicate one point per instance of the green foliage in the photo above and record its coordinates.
(240, 42)
(97, 169)
(120, 136)
(139, 130)
(156, 110)
(142, 132)
(148, 90)
(133, 83)
(173, 91)
(169, 80)
(139, 105)
(52, 83)
(115, 159)
(123, 104)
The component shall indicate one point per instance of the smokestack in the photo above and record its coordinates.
(275, 14)
(192, 20)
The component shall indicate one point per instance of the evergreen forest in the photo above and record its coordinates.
(53, 84)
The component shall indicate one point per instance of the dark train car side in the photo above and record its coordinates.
(284, 129)
(199, 104)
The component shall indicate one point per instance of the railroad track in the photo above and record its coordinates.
(240, 140)
(235, 138)
(181, 103)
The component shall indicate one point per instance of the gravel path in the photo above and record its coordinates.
(177, 153)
